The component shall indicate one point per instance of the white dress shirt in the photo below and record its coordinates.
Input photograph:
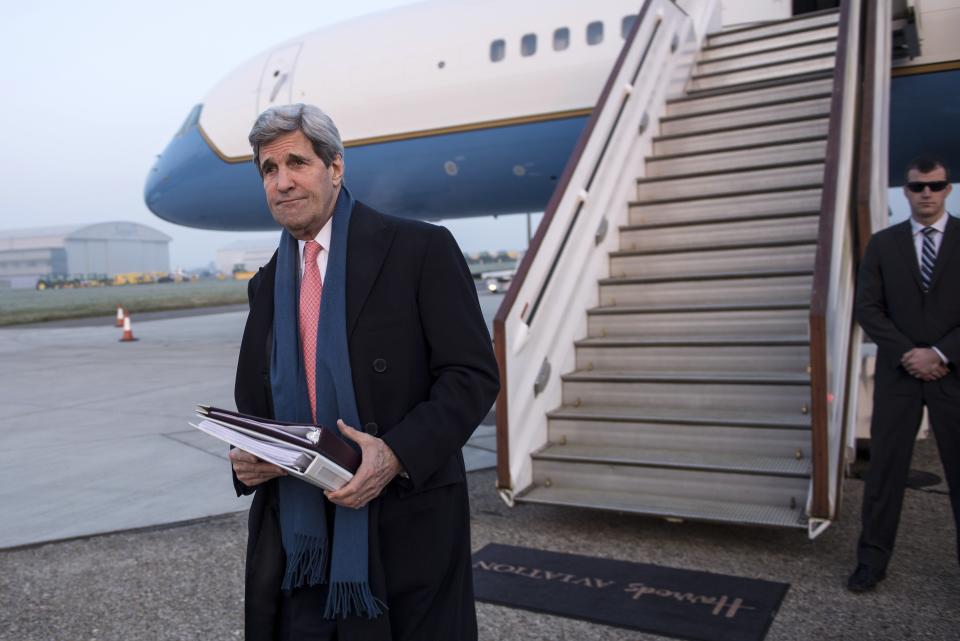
(324, 239)
(917, 229)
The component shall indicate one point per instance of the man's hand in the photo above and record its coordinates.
(924, 363)
(378, 466)
(250, 470)
(938, 372)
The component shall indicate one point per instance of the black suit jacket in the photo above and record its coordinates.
(424, 375)
(893, 309)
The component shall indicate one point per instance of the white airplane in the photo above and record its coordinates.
(447, 108)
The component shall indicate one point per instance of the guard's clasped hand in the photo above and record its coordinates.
(924, 363)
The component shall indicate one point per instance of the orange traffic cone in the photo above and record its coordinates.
(127, 331)
(120, 315)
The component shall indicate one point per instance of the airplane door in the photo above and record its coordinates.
(276, 84)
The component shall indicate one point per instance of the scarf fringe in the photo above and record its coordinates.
(306, 563)
(352, 597)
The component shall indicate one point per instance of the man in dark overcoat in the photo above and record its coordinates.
(908, 302)
(423, 375)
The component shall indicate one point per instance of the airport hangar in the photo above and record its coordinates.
(246, 255)
(110, 248)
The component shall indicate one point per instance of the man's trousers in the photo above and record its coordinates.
(893, 432)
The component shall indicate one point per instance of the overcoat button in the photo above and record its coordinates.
(372, 429)
(380, 365)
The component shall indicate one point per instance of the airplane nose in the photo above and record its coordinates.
(191, 185)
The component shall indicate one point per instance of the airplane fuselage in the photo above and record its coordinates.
(446, 109)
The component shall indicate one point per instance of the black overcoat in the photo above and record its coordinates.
(425, 375)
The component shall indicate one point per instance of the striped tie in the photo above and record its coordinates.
(929, 255)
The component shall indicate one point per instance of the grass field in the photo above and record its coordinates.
(18, 306)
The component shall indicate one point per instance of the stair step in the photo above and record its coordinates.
(795, 229)
(808, 107)
(751, 278)
(785, 287)
(761, 155)
(786, 176)
(713, 417)
(675, 458)
(726, 260)
(630, 501)
(698, 104)
(761, 205)
(785, 81)
(767, 57)
(780, 131)
(783, 394)
(749, 75)
(791, 27)
(767, 441)
(770, 43)
(649, 322)
(703, 340)
(703, 378)
(602, 355)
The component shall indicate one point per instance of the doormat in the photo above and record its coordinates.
(683, 604)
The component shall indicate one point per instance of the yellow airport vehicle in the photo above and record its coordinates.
(133, 278)
(72, 282)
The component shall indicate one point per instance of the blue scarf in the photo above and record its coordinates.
(303, 523)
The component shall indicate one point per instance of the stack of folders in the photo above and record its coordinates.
(313, 453)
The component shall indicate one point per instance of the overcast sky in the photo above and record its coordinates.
(93, 91)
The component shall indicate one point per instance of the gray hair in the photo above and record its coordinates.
(316, 125)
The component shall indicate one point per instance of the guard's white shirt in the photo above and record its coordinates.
(918, 228)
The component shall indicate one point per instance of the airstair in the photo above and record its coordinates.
(679, 340)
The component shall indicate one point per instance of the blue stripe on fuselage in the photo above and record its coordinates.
(502, 170)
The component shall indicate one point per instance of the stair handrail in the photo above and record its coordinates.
(564, 215)
(874, 150)
(855, 162)
(550, 213)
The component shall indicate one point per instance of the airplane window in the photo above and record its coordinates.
(498, 49)
(595, 33)
(627, 25)
(561, 39)
(528, 44)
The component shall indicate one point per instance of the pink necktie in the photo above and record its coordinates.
(311, 288)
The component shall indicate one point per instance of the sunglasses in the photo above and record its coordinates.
(936, 185)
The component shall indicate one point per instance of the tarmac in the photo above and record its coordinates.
(119, 520)
(95, 434)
